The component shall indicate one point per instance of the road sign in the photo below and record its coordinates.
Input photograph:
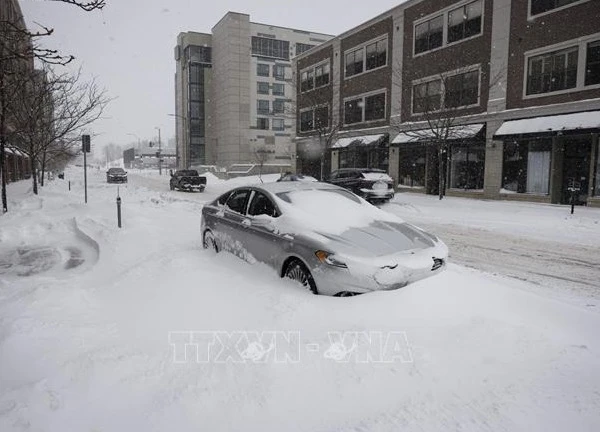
(85, 143)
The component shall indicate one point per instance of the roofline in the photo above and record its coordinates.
(295, 29)
(355, 29)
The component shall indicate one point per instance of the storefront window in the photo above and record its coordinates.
(412, 165)
(526, 167)
(467, 166)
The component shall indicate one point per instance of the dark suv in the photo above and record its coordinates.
(116, 175)
(369, 183)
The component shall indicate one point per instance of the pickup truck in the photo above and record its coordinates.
(187, 180)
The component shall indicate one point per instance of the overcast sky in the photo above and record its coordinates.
(129, 46)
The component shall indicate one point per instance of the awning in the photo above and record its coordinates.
(454, 133)
(358, 140)
(564, 122)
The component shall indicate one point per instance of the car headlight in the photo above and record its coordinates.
(327, 258)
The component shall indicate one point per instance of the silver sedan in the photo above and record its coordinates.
(323, 236)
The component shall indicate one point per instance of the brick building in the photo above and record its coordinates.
(513, 88)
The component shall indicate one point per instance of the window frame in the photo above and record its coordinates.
(268, 69)
(363, 97)
(444, 13)
(442, 77)
(251, 199)
(313, 111)
(263, 83)
(277, 66)
(265, 120)
(363, 47)
(278, 129)
(582, 44)
(531, 17)
(278, 85)
(313, 69)
(261, 111)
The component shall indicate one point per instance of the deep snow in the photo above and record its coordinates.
(87, 347)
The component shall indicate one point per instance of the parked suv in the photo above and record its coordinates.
(369, 183)
(116, 175)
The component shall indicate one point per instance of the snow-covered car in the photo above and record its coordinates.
(297, 177)
(323, 236)
(116, 175)
(369, 183)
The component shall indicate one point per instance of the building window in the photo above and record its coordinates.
(467, 166)
(262, 70)
(307, 81)
(552, 72)
(376, 54)
(427, 97)
(278, 125)
(198, 54)
(354, 62)
(412, 165)
(278, 89)
(321, 118)
(375, 107)
(364, 109)
(300, 47)
(371, 56)
(592, 64)
(429, 34)
(278, 106)
(461, 90)
(266, 47)
(526, 166)
(262, 123)
(541, 6)
(279, 72)
(465, 21)
(262, 107)
(322, 75)
(306, 121)
(262, 88)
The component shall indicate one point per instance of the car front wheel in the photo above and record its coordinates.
(209, 242)
(298, 272)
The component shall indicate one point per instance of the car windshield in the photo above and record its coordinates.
(116, 171)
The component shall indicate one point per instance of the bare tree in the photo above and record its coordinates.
(439, 104)
(55, 110)
(19, 48)
(261, 156)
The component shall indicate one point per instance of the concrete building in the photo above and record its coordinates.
(507, 89)
(234, 92)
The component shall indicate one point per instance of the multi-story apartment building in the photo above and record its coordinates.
(234, 91)
(16, 61)
(505, 92)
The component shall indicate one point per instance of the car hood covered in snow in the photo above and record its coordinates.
(380, 238)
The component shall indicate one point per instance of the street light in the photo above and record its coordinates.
(159, 153)
(184, 136)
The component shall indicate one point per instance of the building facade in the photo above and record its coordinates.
(234, 92)
(502, 96)
(15, 165)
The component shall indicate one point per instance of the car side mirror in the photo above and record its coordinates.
(171, 173)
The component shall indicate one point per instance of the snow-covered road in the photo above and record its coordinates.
(100, 347)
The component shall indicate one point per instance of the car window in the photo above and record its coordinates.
(262, 205)
(237, 200)
(223, 198)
